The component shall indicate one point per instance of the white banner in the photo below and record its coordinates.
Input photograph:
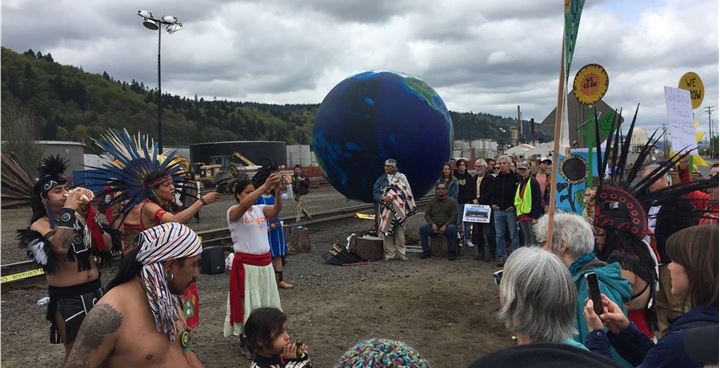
(477, 213)
(679, 112)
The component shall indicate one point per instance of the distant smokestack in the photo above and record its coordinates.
(532, 129)
(521, 135)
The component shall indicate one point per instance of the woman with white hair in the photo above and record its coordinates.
(574, 242)
(538, 298)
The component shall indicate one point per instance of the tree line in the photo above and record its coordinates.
(64, 102)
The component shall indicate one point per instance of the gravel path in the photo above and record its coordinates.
(446, 310)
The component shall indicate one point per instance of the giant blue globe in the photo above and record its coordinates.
(373, 116)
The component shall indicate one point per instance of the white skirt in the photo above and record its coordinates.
(260, 291)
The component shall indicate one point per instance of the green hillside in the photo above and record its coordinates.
(67, 103)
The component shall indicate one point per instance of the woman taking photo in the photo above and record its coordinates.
(693, 267)
(252, 276)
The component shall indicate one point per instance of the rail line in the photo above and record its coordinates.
(27, 273)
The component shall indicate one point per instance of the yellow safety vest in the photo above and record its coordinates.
(523, 205)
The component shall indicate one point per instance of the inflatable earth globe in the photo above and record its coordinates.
(376, 115)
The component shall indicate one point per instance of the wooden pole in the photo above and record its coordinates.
(556, 145)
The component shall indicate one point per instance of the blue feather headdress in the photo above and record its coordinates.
(134, 159)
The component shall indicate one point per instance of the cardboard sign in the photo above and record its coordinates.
(692, 82)
(590, 84)
(679, 112)
(477, 213)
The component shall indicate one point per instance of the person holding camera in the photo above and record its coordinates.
(537, 304)
(276, 235)
(253, 283)
(693, 268)
(573, 242)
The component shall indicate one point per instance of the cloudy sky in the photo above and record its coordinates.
(479, 55)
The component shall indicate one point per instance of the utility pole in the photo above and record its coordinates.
(709, 110)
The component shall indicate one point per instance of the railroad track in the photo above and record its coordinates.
(26, 273)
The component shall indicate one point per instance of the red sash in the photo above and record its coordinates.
(237, 281)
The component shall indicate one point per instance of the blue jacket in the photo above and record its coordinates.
(637, 349)
(611, 283)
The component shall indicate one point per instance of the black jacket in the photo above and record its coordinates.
(503, 192)
(486, 187)
(300, 184)
(466, 190)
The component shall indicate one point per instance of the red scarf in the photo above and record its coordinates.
(237, 281)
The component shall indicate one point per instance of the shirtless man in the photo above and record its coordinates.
(139, 323)
(60, 242)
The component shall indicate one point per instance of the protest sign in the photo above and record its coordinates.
(679, 112)
(477, 213)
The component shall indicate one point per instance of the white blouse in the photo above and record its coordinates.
(249, 234)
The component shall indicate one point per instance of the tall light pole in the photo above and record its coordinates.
(173, 25)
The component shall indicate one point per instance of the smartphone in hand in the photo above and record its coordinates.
(594, 290)
(497, 276)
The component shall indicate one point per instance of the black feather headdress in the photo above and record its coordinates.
(623, 196)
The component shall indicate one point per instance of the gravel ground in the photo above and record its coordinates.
(446, 310)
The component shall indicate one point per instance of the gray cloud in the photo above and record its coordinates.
(482, 56)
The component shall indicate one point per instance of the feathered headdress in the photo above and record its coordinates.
(623, 197)
(135, 159)
(51, 174)
(17, 183)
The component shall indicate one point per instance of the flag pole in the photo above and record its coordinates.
(562, 83)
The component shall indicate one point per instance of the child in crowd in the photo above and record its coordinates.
(267, 336)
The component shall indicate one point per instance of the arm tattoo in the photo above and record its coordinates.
(64, 237)
(102, 320)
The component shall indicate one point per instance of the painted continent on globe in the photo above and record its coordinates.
(376, 115)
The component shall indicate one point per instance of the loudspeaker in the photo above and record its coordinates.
(213, 260)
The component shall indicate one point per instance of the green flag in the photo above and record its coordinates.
(605, 122)
(573, 10)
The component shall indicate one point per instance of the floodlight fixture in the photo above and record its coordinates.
(173, 25)
(174, 28)
(169, 19)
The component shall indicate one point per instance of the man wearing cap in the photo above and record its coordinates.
(542, 178)
(140, 321)
(395, 244)
(528, 206)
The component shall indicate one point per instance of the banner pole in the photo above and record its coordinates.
(556, 146)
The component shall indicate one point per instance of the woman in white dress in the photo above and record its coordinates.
(252, 277)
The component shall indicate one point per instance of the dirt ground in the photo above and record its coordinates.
(445, 310)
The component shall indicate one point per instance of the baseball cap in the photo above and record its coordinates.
(391, 162)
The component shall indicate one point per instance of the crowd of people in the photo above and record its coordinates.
(517, 195)
(656, 276)
(648, 244)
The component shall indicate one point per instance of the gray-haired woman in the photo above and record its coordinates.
(538, 298)
(573, 242)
